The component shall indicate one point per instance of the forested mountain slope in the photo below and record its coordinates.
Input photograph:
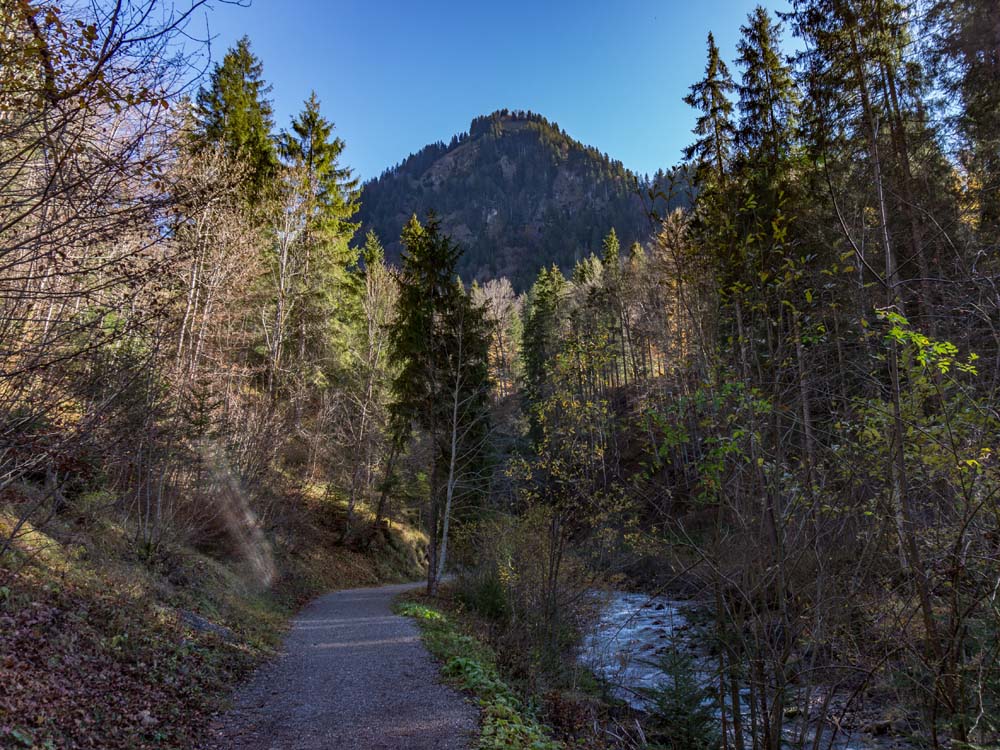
(517, 193)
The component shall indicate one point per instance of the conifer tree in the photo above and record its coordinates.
(864, 97)
(712, 151)
(614, 303)
(372, 252)
(332, 189)
(767, 94)
(611, 252)
(326, 196)
(233, 110)
(440, 347)
(712, 155)
(862, 93)
(766, 139)
(543, 328)
(966, 49)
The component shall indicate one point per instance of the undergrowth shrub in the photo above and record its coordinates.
(508, 723)
(483, 592)
(681, 710)
(536, 618)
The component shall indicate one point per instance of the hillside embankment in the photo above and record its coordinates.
(106, 643)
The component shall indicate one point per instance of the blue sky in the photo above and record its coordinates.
(396, 75)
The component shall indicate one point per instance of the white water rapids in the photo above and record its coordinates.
(633, 630)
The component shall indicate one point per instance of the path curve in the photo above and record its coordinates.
(352, 675)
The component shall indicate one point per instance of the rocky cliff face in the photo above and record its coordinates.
(516, 192)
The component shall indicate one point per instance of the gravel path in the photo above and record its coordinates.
(353, 676)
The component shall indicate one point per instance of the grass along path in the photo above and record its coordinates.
(507, 724)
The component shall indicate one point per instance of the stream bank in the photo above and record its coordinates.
(634, 631)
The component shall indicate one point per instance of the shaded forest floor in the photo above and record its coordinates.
(100, 647)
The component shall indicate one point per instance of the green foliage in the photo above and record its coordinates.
(963, 51)
(768, 101)
(419, 612)
(507, 723)
(438, 335)
(439, 346)
(313, 154)
(233, 111)
(323, 195)
(938, 355)
(485, 594)
(372, 253)
(611, 252)
(712, 152)
(543, 328)
(681, 713)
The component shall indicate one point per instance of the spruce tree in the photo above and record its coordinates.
(966, 50)
(326, 195)
(713, 149)
(372, 253)
(712, 155)
(614, 308)
(767, 95)
(233, 110)
(864, 97)
(439, 346)
(611, 252)
(332, 189)
(543, 329)
(766, 139)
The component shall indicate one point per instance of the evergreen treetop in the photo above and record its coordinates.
(712, 150)
(311, 148)
(233, 110)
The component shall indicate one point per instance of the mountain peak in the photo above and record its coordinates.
(515, 191)
(502, 118)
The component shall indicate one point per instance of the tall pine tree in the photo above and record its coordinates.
(543, 329)
(712, 151)
(966, 49)
(332, 189)
(767, 95)
(440, 347)
(233, 111)
(326, 198)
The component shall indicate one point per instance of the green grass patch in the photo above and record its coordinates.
(507, 722)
